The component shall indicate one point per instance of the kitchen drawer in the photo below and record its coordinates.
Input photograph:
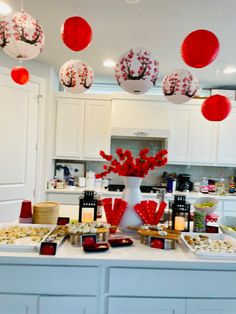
(171, 283)
(49, 280)
(64, 198)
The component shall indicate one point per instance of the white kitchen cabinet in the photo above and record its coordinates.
(145, 306)
(97, 128)
(202, 138)
(69, 128)
(211, 306)
(68, 305)
(226, 154)
(178, 145)
(18, 304)
(139, 113)
(82, 128)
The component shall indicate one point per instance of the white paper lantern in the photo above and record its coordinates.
(180, 86)
(76, 76)
(137, 71)
(21, 36)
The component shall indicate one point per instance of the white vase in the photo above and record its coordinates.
(132, 195)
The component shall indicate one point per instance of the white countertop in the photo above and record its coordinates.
(79, 190)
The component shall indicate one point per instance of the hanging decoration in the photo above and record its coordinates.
(20, 75)
(216, 108)
(200, 48)
(21, 36)
(180, 86)
(137, 71)
(76, 33)
(76, 76)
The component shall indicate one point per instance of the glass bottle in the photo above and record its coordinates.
(204, 186)
(221, 185)
(231, 185)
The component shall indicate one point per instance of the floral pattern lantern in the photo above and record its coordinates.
(76, 76)
(200, 48)
(21, 36)
(216, 108)
(20, 75)
(137, 71)
(76, 33)
(180, 86)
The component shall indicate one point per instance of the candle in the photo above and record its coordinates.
(87, 214)
(179, 223)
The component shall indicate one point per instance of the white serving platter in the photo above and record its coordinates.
(212, 236)
(25, 243)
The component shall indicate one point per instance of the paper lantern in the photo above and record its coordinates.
(21, 36)
(180, 86)
(76, 76)
(200, 48)
(76, 33)
(137, 71)
(20, 75)
(216, 108)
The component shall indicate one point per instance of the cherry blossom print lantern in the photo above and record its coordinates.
(21, 36)
(76, 76)
(200, 48)
(180, 86)
(216, 108)
(76, 33)
(137, 71)
(20, 75)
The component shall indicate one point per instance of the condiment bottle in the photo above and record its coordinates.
(204, 186)
(231, 185)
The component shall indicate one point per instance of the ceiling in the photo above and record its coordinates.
(158, 25)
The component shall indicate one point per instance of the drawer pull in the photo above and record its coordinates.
(141, 133)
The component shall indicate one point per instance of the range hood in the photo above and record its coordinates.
(117, 132)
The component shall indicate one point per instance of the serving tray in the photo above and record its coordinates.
(211, 236)
(16, 241)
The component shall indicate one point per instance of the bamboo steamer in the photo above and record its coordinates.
(46, 213)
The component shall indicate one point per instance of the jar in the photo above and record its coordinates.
(199, 221)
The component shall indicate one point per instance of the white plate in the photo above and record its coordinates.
(212, 236)
(24, 244)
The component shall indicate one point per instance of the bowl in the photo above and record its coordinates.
(226, 223)
(206, 204)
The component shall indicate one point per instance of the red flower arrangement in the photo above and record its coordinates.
(127, 165)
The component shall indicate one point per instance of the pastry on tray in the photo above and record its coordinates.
(157, 230)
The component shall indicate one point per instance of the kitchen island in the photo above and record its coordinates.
(136, 279)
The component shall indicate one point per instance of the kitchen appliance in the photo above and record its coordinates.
(183, 183)
(90, 180)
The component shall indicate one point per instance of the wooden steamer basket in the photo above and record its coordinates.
(46, 213)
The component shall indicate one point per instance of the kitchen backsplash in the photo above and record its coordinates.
(154, 177)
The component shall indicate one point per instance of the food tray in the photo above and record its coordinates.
(212, 236)
(58, 235)
(24, 243)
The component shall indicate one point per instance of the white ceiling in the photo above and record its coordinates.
(158, 25)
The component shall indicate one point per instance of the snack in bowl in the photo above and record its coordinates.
(206, 204)
(228, 225)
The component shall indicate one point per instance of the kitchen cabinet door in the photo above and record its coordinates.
(226, 154)
(202, 138)
(97, 128)
(145, 306)
(178, 144)
(212, 306)
(18, 304)
(67, 305)
(69, 128)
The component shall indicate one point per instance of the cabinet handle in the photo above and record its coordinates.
(141, 133)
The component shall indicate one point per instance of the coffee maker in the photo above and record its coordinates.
(183, 183)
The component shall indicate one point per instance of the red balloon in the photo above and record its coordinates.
(200, 48)
(76, 33)
(20, 75)
(216, 108)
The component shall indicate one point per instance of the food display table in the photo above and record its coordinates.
(127, 280)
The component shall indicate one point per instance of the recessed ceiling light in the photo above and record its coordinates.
(230, 70)
(132, 1)
(5, 8)
(109, 63)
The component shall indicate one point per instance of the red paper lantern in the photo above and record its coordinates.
(20, 75)
(200, 48)
(216, 108)
(76, 33)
